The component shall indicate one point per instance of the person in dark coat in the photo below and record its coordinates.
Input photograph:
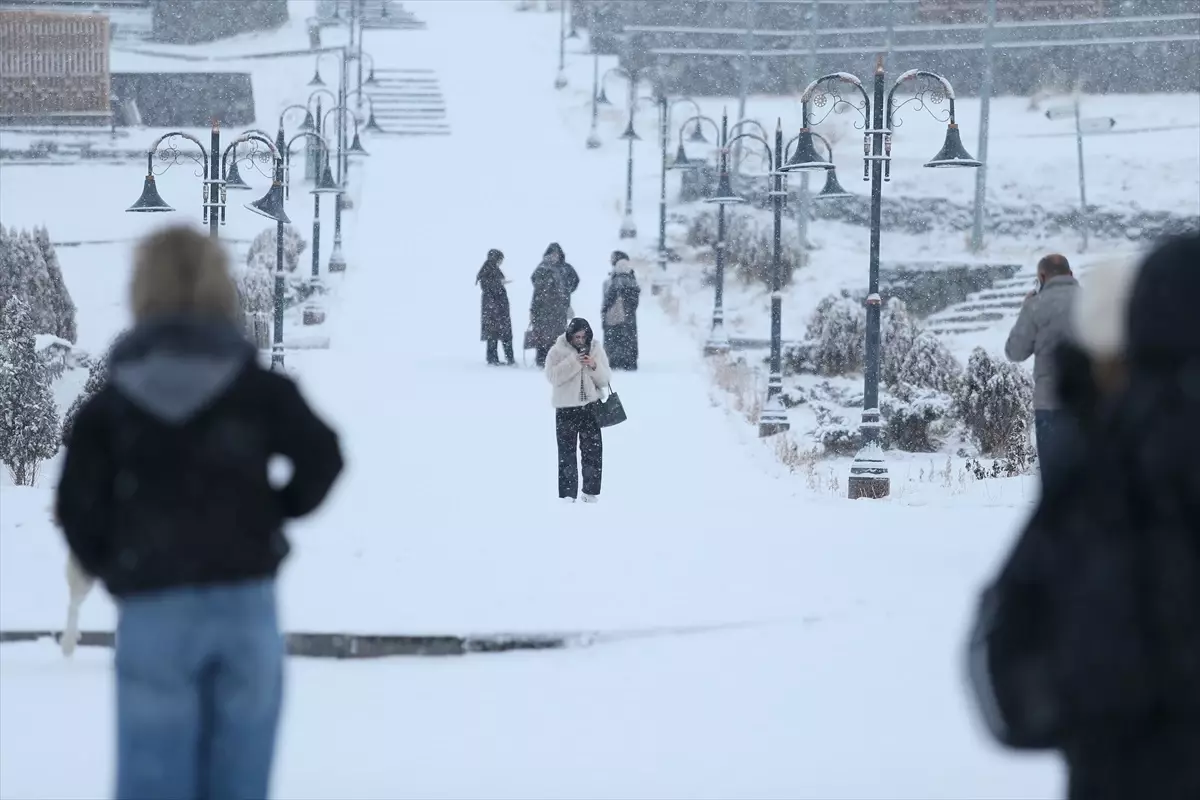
(495, 320)
(1088, 642)
(166, 497)
(550, 309)
(618, 313)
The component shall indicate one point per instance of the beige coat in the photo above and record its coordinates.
(565, 373)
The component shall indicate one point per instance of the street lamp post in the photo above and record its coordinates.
(593, 140)
(337, 260)
(665, 106)
(628, 228)
(313, 313)
(560, 80)
(869, 473)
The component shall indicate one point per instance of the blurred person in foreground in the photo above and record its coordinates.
(1040, 327)
(1088, 641)
(165, 497)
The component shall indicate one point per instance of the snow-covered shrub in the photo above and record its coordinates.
(898, 331)
(749, 245)
(262, 250)
(928, 363)
(97, 377)
(995, 401)
(837, 331)
(59, 302)
(28, 417)
(912, 418)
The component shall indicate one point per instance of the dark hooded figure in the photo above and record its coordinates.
(550, 309)
(495, 320)
(618, 313)
(166, 497)
(1088, 642)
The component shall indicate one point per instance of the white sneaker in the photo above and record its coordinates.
(590, 498)
(566, 500)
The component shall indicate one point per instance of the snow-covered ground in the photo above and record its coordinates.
(844, 680)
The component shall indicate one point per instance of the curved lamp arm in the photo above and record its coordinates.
(316, 92)
(843, 77)
(154, 147)
(343, 109)
(295, 106)
(755, 137)
(761, 130)
(699, 118)
(251, 135)
(910, 75)
(287, 148)
(695, 106)
(370, 100)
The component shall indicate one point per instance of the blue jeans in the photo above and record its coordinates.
(1057, 436)
(199, 689)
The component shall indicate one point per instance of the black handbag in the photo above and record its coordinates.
(609, 411)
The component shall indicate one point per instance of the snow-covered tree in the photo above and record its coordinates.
(28, 418)
(97, 377)
(59, 298)
(898, 332)
(257, 289)
(262, 250)
(837, 330)
(929, 364)
(994, 401)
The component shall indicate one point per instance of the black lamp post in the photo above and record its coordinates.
(270, 206)
(213, 205)
(718, 339)
(325, 184)
(665, 106)
(560, 80)
(773, 418)
(869, 473)
(593, 140)
(337, 260)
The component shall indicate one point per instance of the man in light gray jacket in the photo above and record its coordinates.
(1045, 322)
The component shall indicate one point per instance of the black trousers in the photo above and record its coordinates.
(493, 357)
(577, 429)
(542, 352)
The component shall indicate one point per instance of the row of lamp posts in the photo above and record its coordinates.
(221, 173)
(869, 477)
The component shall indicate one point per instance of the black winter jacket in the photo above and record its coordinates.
(165, 482)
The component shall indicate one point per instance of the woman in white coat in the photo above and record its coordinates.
(577, 367)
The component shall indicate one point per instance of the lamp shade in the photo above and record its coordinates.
(602, 98)
(724, 193)
(370, 81)
(325, 182)
(233, 177)
(150, 200)
(681, 160)
(805, 156)
(271, 204)
(630, 133)
(832, 188)
(316, 78)
(372, 125)
(697, 135)
(356, 148)
(953, 154)
(308, 124)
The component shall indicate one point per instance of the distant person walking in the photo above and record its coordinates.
(577, 367)
(554, 280)
(618, 313)
(165, 497)
(1042, 325)
(495, 318)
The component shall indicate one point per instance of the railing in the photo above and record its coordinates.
(53, 64)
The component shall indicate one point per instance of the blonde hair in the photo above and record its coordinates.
(179, 270)
(1099, 313)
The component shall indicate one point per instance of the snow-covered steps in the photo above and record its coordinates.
(408, 102)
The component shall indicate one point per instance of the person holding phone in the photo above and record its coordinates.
(577, 366)
(1043, 324)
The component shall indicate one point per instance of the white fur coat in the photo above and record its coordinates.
(566, 373)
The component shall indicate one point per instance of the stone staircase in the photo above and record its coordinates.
(408, 102)
(996, 308)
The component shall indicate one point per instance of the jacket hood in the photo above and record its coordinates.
(554, 248)
(173, 368)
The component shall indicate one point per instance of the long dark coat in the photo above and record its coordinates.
(621, 337)
(1088, 641)
(548, 310)
(495, 318)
